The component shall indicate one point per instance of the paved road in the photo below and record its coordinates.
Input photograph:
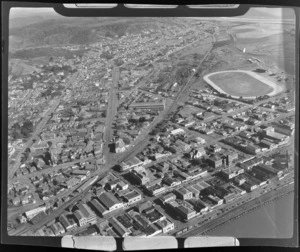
(237, 211)
(38, 129)
(111, 114)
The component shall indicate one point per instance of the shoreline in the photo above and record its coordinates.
(248, 211)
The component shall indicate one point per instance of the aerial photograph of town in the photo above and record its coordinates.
(151, 126)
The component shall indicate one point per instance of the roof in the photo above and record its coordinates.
(98, 206)
(108, 200)
(146, 104)
(133, 161)
(183, 191)
(168, 196)
(121, 230)
(131, 195)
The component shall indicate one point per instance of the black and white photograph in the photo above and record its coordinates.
(151, 126)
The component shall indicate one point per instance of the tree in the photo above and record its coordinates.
(154, 132)
(172, 150)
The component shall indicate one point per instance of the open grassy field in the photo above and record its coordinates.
(240, 83)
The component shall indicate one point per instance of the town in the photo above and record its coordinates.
(129, 139)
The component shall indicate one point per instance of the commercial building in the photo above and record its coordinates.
(132, 197)
(57, 229)
(183, 194)
(148, 105)
(118, 227)
(155, 189)
(168, 197)
(140, 175)
(185, 212)
(269, 170)
(247, 165)
(131, 163)
(66, 223)
(232, 172)
(215, 161)
(110, 202)
(84, 215)
(99, 208)
(81, 172)
(31, 213)
(165, 225)
(71, 182)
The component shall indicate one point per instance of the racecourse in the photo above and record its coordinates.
(242, 83)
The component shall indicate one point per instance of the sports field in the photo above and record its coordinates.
(239, 83)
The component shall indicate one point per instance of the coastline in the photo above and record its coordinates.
(240, 211)
(248, 211)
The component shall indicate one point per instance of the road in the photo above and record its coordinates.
(110, 116)
(112, 109)
(237, 211)
(38, 129)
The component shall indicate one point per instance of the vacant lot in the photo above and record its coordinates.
(236, 83)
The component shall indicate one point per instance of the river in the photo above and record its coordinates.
(274, 220)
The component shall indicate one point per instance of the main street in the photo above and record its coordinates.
(110, 116)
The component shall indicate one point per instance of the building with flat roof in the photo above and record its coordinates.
(232, 172)
(131, 163)
(154, 189)
(185, 212)
(132, 197)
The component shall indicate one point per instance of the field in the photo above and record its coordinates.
(241, 83)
